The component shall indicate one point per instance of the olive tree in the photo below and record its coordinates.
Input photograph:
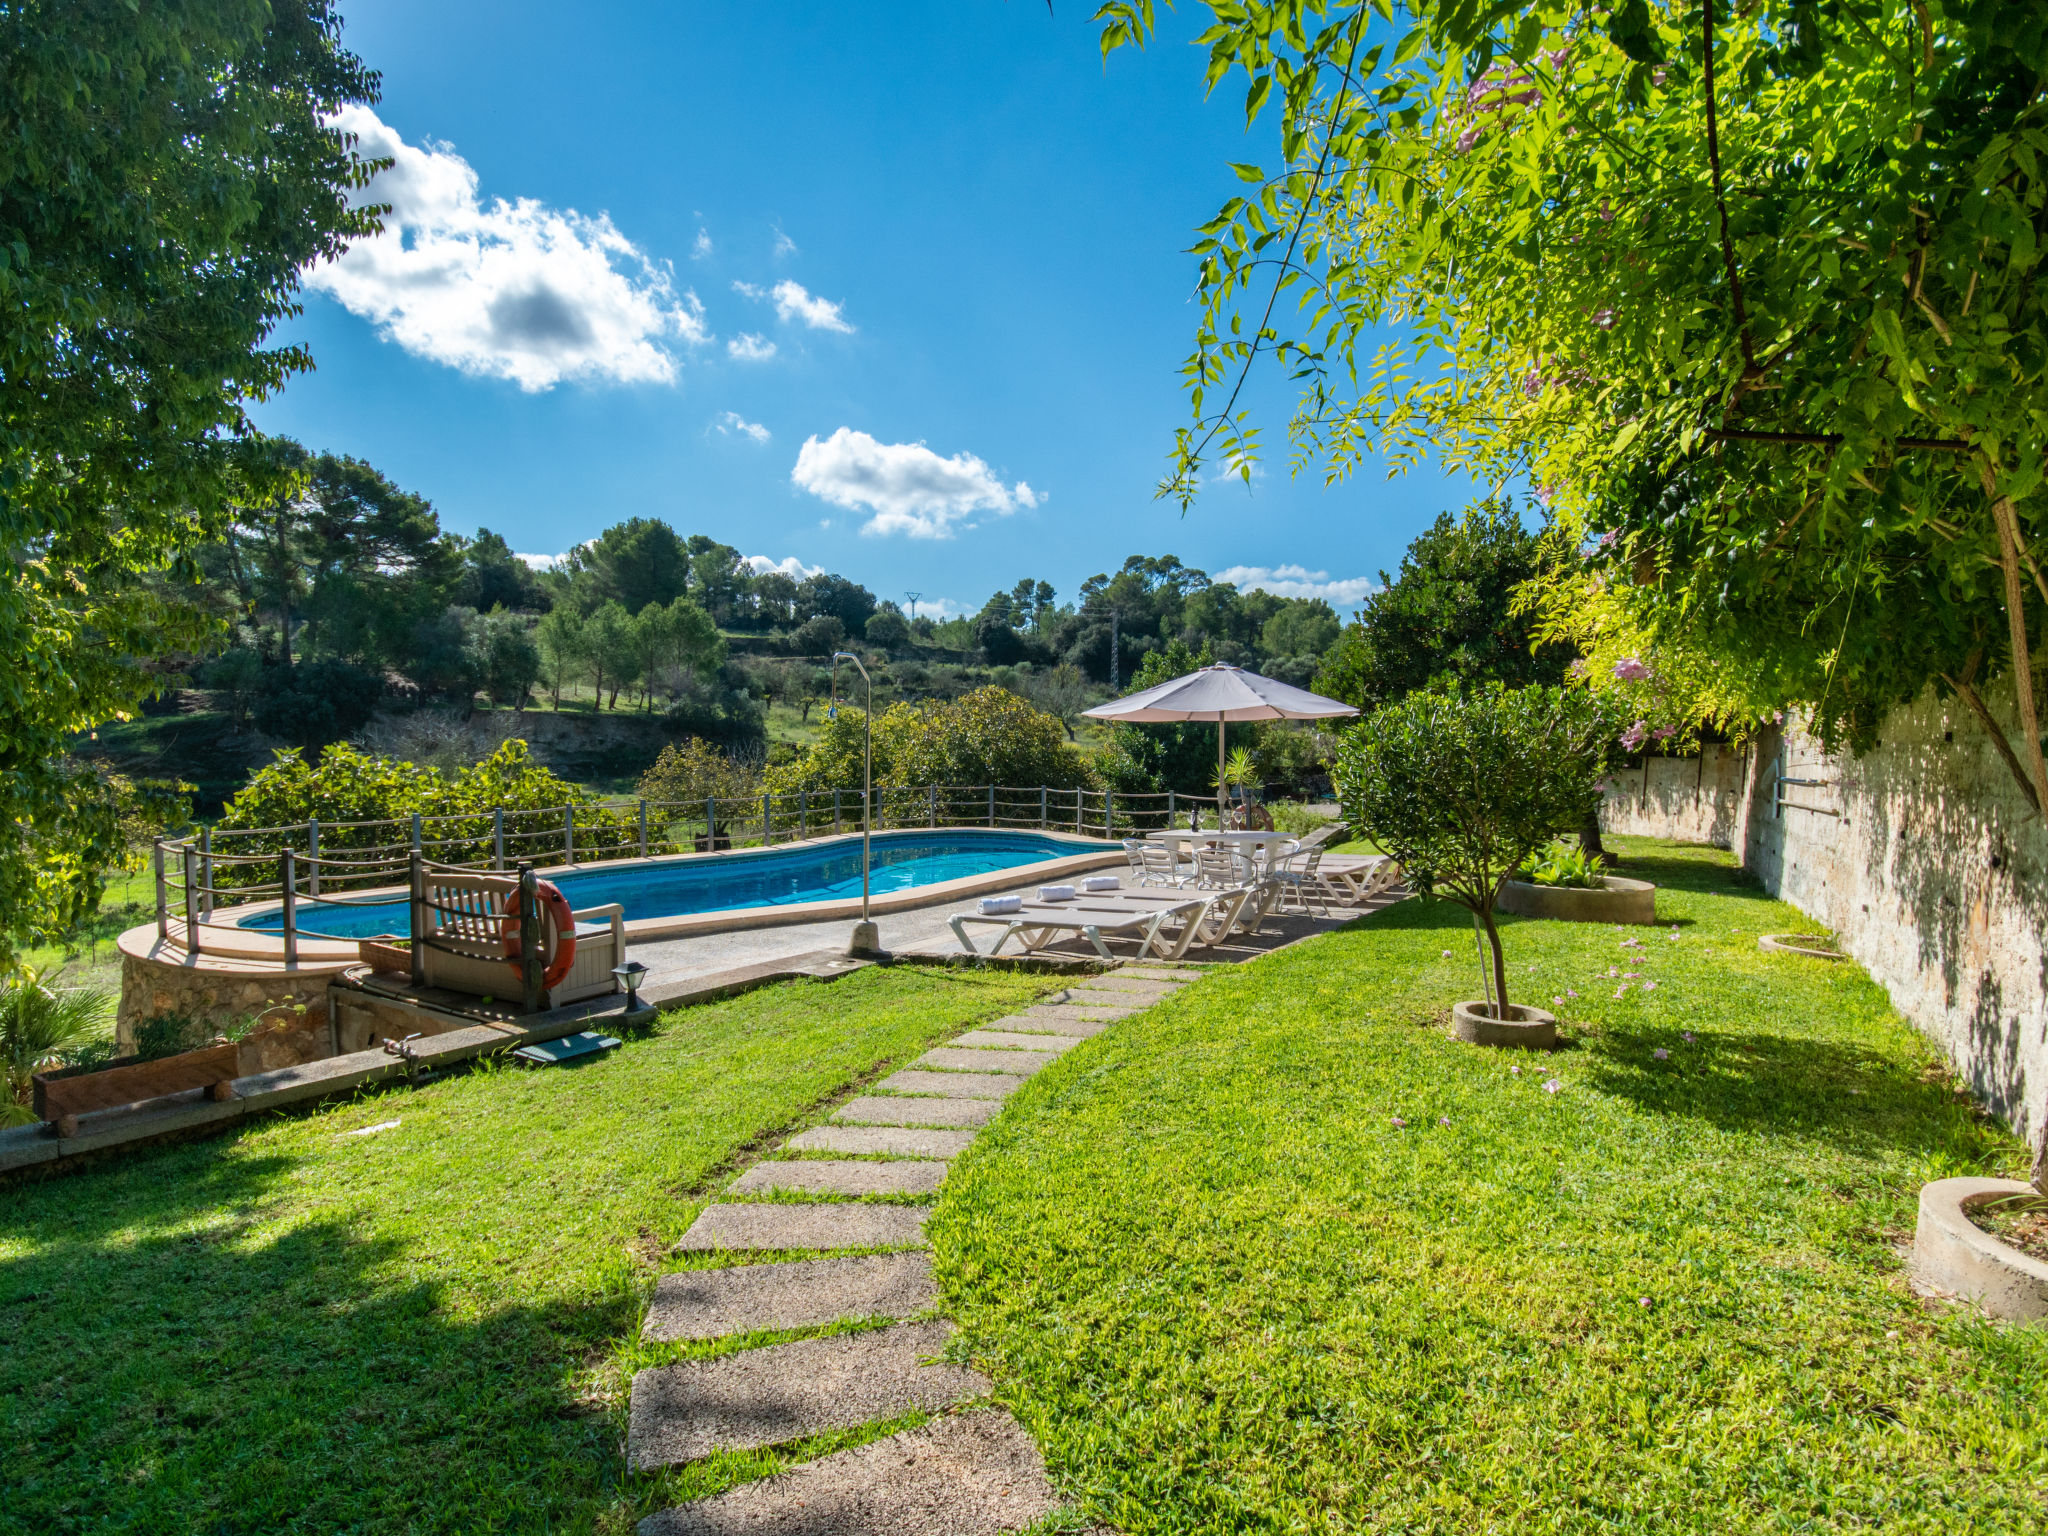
(1461, 787)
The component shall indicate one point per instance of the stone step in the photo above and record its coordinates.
(881, 1140)
(1124, 981)
(1123, 1003)
(892, 1110)
(711, 1303)
(1013, 1040)
(952, 1085)
(967, 1474)
(819, 1178)
(1046, 1021)
(1099, 1015)
(788, 1392)
(775, 1228)
(1174, 974)
(1022, 1063)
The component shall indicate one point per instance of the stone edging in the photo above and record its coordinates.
(1783, 944)
(1953, 1255)
(1617, 901)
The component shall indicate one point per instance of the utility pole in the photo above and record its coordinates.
(913, 596)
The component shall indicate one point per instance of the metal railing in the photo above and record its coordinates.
(330, 862)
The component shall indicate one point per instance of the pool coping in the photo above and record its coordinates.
(237, 947)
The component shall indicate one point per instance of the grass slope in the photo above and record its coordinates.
(1279, 1255)
(426, 1328)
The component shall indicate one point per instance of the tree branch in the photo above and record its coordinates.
(1969, 695)
(1832, 439)
(1721, 195)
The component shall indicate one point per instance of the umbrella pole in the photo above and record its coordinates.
(1222, 794)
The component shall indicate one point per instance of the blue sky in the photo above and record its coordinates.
(898, 292)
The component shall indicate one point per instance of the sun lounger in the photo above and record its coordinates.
(1163, 926)
(1363, 881)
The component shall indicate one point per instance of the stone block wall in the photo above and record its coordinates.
(1921, 855)
(216, 995)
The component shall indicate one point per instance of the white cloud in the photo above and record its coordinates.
(750, 348)
(939, 609)
(1296, 581)
(905, 486)
(793, 302)
(789, 566)
(509, 290)
(784, 246)
(732, 423)
(702, 247)
(543, 562)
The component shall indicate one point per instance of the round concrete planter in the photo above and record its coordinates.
(1615, 901)
(1952, 1253)
(1795, 944)
(1530, 1029)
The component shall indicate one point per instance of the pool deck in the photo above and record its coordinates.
(922, 931)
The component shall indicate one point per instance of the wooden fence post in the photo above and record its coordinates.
(1044, 820)
(418, 925)
(190, 869)
(568, 834)
(498, 841)
(767, 820)
(313, 853)
(156, 863)
(206, 873)
(288, 876)
(991, 805)
(643, 826)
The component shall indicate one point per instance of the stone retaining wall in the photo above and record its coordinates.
(150, 987)
(1921, 856)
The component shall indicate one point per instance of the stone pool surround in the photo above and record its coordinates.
(242, 970)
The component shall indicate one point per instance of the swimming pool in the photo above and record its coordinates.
(771, 877)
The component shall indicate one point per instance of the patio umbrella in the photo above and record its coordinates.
(1221, 694)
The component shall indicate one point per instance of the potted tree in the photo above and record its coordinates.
(1460, 788)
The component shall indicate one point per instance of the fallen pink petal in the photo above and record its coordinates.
(1661, 1054)
(1553, 1086)
(1399, 1123)
(1649, 986)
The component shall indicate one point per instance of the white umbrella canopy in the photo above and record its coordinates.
(1221, 693)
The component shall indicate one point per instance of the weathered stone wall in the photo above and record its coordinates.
(209, 993)
(1921, 855)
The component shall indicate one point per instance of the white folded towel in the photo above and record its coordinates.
(1101, 883)
(996, 906)
(1055, 893)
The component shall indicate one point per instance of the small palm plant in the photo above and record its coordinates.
(39, 1026)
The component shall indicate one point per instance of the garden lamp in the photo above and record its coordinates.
(867, 938)
(629, 975)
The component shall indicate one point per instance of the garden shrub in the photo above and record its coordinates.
(1462, 787)
(316, 703)
(988, 736)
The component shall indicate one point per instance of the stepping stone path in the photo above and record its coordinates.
(964, 1473)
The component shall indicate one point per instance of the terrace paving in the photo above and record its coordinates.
(850, 1179)
(775, 1228)
(876, 1109)
(711, 1303)
(951, 1085)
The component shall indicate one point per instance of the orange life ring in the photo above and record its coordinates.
(555, 905)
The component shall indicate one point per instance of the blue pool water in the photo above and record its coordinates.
(772, 877)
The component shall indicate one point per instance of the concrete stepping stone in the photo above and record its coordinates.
(819, 1178)
(1022, 1063)
(711, 1303)
(1011, 1040)
(1124, 981)
(881, 1140)
(967, 1474)
(877, 1110)
(1081, 1027)
(952, 1085)
(1126, 1002)
(1179, 978)
(1088, 1015)
(789, 1392)
(769, 1228)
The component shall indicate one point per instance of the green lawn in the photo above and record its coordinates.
(1280, 1255)
(425, 1329)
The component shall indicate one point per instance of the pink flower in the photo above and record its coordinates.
(1688, 1037)
(1447, 954)
(1632, 975)
(1399, 1123)
(1443, 1119)
(1514, 1071)
(1619, 990)
(1568, 992)
(1557, 1000)
(1649, 986)
(1553, 1086)
(1633, 736)
(1661, 1054)
(1630, 670)
(1642, 1301)
(1664, 733)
